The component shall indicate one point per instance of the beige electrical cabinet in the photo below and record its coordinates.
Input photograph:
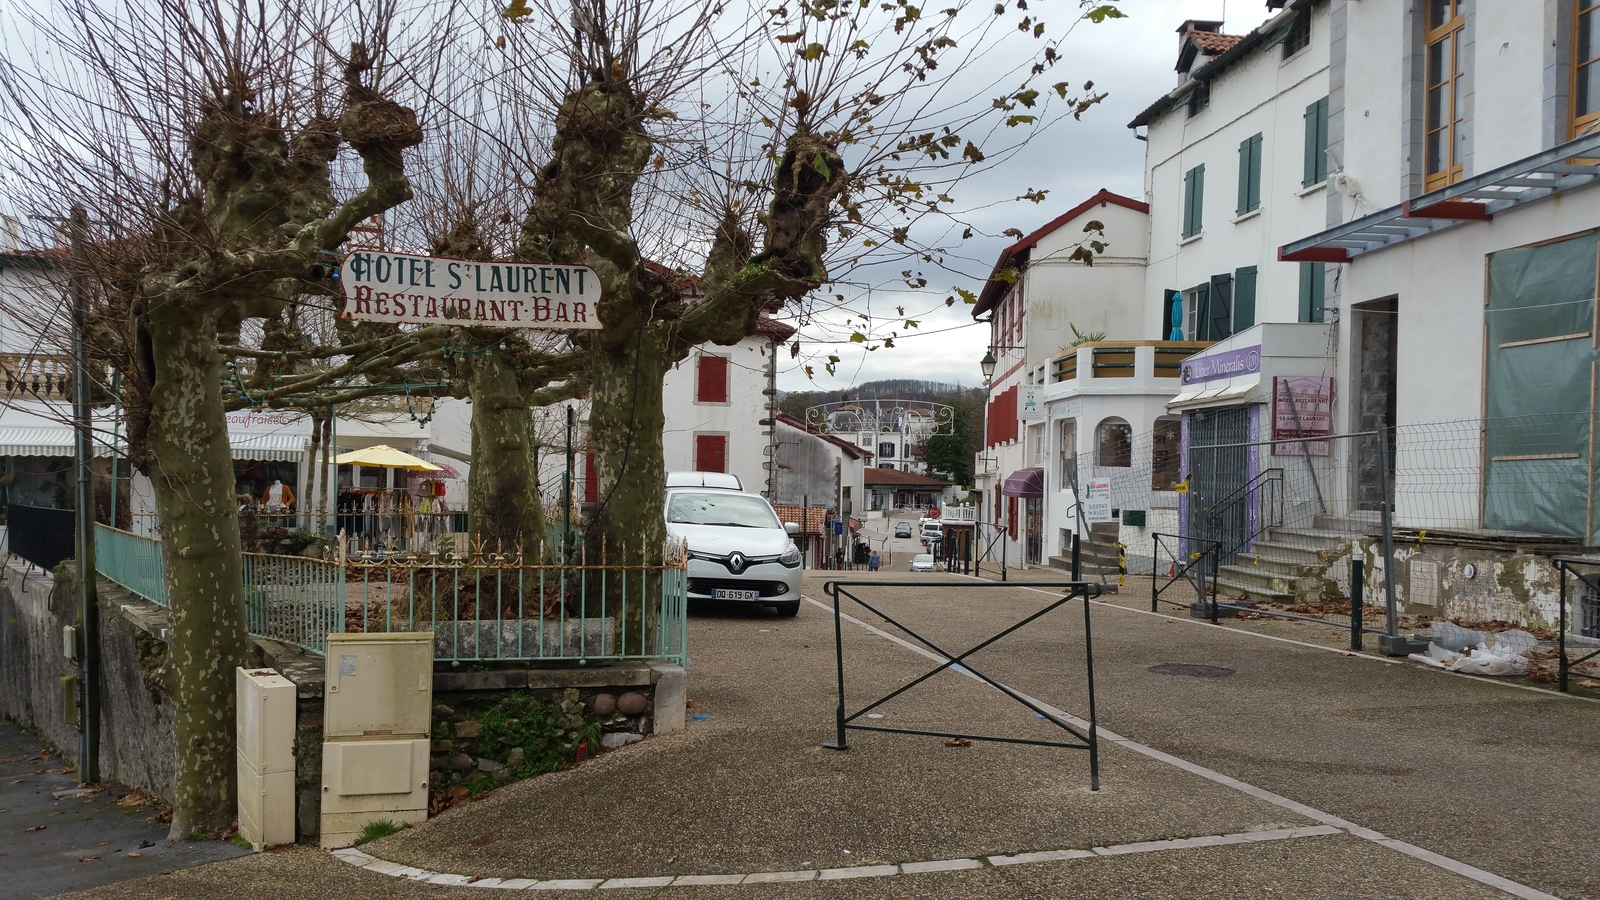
(265, 758)
(378, 709)
(379, 684)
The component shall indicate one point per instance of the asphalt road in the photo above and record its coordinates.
(1430, 778)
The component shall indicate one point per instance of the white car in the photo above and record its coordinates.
(922, 562)
(738, 550)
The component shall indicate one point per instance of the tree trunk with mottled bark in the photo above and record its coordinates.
(191, 471)
(506, 511)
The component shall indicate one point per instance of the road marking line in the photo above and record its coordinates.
(384, 867)
(1481, 876)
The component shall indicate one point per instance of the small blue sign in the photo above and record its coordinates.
(838, 528)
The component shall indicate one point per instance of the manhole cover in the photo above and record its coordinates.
(1190, 669)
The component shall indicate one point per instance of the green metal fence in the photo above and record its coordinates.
(481, 604)
(131, 560)
(294, 599)
(487, 605)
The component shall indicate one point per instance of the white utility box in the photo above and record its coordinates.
(265, 764)
(379, 684)
(370, 780)
(378, 712)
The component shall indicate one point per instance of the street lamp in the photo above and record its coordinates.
(987, 365)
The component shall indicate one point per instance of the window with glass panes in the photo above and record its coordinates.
(1585, 66)
(1444, 103)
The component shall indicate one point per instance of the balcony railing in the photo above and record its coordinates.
(43, 377)
(1124, 359)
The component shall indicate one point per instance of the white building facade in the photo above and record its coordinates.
(1461, 241)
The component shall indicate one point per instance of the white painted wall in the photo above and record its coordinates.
(738, 418)
(1265, 94)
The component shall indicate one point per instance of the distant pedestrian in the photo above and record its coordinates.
(872, 561)
(838, 559)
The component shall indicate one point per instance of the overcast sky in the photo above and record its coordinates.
(1132, 60)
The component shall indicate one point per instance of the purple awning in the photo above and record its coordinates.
(1024, 483)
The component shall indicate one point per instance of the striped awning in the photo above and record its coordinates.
(282, 447)
(30, 440)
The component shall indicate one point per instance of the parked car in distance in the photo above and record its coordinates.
(738, 550)
(902, 529)
(922, 562)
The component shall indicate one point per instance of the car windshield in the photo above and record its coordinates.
(720, 508)
(922, 559)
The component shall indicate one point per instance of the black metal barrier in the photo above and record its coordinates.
(1591, 580)
(41, 535)
(1087, 739)
(1202, 562)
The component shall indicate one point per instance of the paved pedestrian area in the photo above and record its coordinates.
(57, 836)
(1301, 771)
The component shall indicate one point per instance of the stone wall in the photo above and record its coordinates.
(136, 737)
(1504, 585)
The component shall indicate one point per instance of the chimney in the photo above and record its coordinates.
(1187, 54)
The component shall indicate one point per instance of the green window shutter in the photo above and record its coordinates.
(1194, 187)
(1249, 175)
(1255, 173)
(1312, 290)
(1202, 312)
(1244, 178)
(1316, 162)
(1244, 298)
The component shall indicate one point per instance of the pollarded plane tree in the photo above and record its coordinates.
(209, 145)
(755, 151)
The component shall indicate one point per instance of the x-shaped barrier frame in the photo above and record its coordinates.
(1591, 580)
(1075, 590)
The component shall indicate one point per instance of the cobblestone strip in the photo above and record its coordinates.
(395, 870)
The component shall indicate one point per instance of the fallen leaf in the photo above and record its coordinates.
(89, 859)
(1589, 683)
(35, 828)
(482, 840)
(19, 781)
(958, 742)
(135, 854)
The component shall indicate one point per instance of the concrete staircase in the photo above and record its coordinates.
(1281, 557)
(1098, 555)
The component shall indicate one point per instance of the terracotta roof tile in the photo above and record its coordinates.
(906, 479)
(1213, 42)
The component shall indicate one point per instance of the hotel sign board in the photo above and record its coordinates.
(431, 290)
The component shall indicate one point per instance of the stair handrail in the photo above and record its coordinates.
(1272, 512)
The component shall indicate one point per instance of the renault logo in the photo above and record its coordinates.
(736, 563)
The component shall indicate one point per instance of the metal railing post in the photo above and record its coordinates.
(1561, 631)
(838, 655)
(1214, 551)
(1391, 643)
(1077, 558)
(1357, 601)
(1094, 729)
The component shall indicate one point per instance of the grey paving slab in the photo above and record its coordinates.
(54, 838)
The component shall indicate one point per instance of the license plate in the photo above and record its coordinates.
(725, 594)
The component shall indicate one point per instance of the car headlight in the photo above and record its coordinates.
(790, 557)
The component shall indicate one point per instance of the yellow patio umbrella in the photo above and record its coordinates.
(383, 456)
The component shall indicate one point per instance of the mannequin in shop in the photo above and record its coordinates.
(277, 497)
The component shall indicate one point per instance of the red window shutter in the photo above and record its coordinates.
(1011, 516)
(711, 453)
(711, 380)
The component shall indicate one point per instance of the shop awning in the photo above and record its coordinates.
(1227, 394)
(29, 441)
(281, 447)
(1024, 483)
